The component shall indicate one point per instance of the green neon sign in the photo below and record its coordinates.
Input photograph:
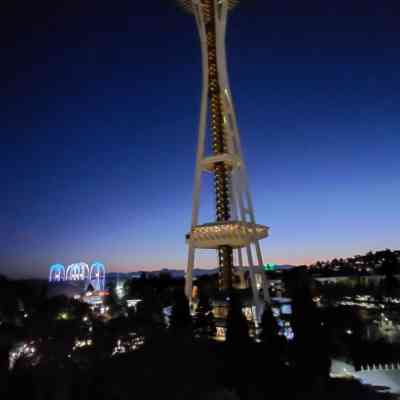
(269, 267)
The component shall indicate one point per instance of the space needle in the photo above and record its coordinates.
(234, 233)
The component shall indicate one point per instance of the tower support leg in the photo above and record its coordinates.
(189, 273)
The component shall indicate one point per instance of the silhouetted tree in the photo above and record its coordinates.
(9, 301)
(112, 300)
(237, 326)
(204, 324)
(311, 355)
(181, 320)
(390, 286)
(208, 284)
(148, 318)
(272, 342)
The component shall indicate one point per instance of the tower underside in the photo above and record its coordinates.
(234, 230)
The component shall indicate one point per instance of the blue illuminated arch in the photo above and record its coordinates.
(73, 272)
(84, 273)
(80, 271)
(57, 273)
(98, 275)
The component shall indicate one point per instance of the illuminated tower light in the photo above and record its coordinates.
(234, 231)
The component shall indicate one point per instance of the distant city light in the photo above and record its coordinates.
(22, 350)
(132, 303)
(129, 343)
(119, 288)
(63, 315)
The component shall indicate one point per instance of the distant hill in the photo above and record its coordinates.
(175, 273)
(284, 267)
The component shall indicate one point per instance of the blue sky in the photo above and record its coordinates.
(100, 119)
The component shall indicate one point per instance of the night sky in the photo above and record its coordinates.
(99, 112)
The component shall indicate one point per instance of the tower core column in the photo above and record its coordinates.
(219, 145)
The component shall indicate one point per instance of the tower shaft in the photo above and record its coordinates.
(219, 146)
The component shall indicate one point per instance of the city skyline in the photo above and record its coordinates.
(100, 132)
